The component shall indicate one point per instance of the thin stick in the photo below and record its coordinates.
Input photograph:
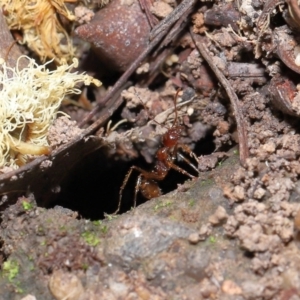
(241, 127)
(145, 5)
(169, 21)
(174, 30)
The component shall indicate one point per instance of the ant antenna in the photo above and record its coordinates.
(175, 107)
(138, 96)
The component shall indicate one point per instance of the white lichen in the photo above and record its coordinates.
(30, 99)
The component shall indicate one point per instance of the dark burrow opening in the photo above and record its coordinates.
(92, 187)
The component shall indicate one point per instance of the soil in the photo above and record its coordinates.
(232, 231)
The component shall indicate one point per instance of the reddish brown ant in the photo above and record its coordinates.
(146, 182)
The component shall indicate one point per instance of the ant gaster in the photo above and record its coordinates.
(146, 182)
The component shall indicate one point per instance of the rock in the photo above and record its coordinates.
(64, 285)
(118, 33)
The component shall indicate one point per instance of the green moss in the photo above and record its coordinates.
(18, 289)
(161, 205)
(104, 229)
(212, 239)
(27, 205)
(192, 203)
(40, 229)
(97, 222)
(110, 217)
(207, 182)
(10, 269)
(90, 238)
(173, 218)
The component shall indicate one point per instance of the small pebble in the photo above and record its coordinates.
(29, 297)
(231, 288)
(219, 216)
(64, 285)
(239, 192)
(194, 238)
(204, 232)
(270, 147)
(259, 193)
(161, 9)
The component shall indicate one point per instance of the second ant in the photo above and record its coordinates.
(166, 156)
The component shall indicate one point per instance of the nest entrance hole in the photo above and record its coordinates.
(92, 187)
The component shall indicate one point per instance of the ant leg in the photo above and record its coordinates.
(171, 165)
(136, 189)
(124, 184)
(188, 162)
(122, 188)
(187, 150)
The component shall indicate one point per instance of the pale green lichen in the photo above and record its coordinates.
(30, 99)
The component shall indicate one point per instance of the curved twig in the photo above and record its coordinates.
(241, 127)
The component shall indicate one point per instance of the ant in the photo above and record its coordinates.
(146, 182)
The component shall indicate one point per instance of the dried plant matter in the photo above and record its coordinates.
(42, 31)
(30, 101)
